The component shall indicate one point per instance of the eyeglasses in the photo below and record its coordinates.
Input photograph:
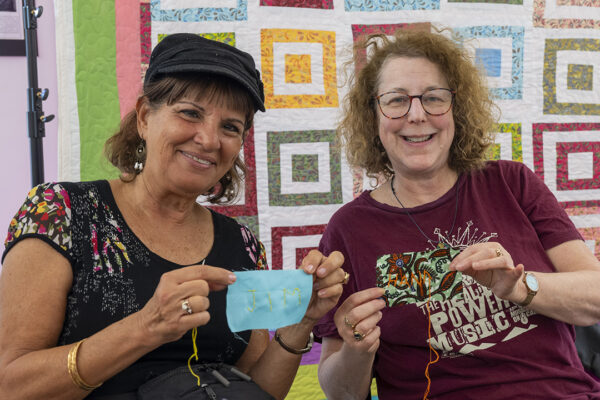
(435, 102)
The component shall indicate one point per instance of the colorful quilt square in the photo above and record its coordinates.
(559, 96)
(552, 145)
(321, 91)
(578, 165)
(390, 5)
(553, 14)
(580, 77)
(297, 68)
(286, 240)
(490, 59)
(507, 41)
(283, 189)
(322, 4)
(305, 167)
(199, 10)
(509, 145)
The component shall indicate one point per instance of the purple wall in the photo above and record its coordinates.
(15, 165)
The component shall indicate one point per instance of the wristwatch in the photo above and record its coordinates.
(532, 285)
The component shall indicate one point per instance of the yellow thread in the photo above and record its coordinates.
(195, 355)
(285, 292)
(253, 300)
(270, 305)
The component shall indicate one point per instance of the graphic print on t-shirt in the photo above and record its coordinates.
(461, 324)
(418, 277)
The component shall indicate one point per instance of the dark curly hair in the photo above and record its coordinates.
(120, 149)
(473, 110)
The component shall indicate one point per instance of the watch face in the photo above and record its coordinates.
(532, 282)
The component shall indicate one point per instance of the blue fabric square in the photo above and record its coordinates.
(491, 59)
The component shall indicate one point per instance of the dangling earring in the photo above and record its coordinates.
(140, 157)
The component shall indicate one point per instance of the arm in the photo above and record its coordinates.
(274, 367)
(34, 285)
(570, 295)
(345, 368)
(33, 291)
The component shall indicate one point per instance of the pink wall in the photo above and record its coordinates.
(15, 167)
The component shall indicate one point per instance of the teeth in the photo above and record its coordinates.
(201, 161)
(418, 139)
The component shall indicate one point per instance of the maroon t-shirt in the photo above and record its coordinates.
(489, 348)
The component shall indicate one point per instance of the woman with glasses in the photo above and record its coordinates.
(466, 274)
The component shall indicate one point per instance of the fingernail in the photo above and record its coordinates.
(310, 268)
(321, 271)
(322, 292)
(232, 277)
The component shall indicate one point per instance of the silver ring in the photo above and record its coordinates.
(185, 306)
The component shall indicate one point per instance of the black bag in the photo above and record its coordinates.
(217, 382)
(587, 341)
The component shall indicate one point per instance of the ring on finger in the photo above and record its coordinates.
(348, 323)
(185, 306)
(346, 278)
(358, 336)
(498, 253)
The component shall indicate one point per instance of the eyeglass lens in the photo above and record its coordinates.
(434, 102)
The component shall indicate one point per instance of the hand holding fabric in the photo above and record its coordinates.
(180, 301)
(491, 266)
(327, 282)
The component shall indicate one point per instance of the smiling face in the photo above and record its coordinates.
(417, 144)
(191, 144)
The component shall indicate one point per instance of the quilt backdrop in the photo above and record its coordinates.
(541, 57)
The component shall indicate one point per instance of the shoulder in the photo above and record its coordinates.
(45, 213)
(229, 228)
(505, 168)
(351, 210)
(512, 174)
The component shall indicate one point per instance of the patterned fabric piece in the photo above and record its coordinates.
(418, 277)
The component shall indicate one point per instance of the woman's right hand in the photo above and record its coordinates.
(356, 319)
(165, 318)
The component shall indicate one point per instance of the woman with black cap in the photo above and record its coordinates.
(104, 282)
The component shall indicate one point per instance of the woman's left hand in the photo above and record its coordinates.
(491, 266)
(328, 278)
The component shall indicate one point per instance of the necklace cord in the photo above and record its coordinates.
(415, 222)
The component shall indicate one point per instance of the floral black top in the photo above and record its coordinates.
(114, 274)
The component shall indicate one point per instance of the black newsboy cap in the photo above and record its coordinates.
(187, 52)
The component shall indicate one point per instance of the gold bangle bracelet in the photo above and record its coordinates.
(74, 372)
